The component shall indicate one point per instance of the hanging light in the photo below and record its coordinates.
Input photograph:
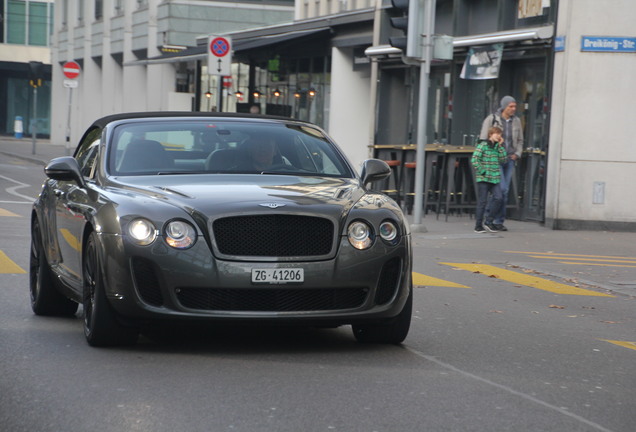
(239, 95)
(276, 93)
(312, 92)
(256, 94)
(297, 94)
(208, 94)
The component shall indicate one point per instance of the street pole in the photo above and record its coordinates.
(34, 126)
(68, 122)
(422, 114)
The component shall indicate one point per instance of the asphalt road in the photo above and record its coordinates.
(488, 351)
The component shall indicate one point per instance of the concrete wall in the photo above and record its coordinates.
(349, 109)
(592, 153)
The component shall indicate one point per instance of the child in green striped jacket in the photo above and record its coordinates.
(487, 159)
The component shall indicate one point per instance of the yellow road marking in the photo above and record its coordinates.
(527, 280)
(70, 239)
(7, 266)
(624, 344)
(592, 264)
(570, 255)
(423, 280)
(561, 257)
(7, 213)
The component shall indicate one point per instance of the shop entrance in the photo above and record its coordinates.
(532, 107)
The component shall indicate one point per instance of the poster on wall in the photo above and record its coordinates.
(482, 62)
(531, 8)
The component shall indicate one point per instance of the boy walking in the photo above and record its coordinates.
(487, 159)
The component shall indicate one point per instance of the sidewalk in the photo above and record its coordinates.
(587, 257)
(23, 148)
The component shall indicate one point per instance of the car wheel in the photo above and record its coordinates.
(45, 297)
(101, 326)
(392, 331)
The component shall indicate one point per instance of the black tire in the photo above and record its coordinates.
(101, 326)
(392, 331)
(46, 299)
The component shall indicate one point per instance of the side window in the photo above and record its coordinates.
(87, 152)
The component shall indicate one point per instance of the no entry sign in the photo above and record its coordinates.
(71, 70)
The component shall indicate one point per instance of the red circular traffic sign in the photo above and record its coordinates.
(219, 47)
(71, 70)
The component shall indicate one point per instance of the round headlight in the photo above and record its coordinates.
(388, 231)
(360, 235)
(180, 234)
(142, 231)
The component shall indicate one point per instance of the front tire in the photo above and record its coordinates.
(392, 331)
(45, 297)
(101, 326)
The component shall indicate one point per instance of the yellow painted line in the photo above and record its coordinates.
(423, 280)
(561, 257)
(70, 239)
(569, 255)
(527, 280)
(7, 266)
(592, 264)
(7, 213)
(624, 344)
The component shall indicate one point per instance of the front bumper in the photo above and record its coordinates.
(158, 282)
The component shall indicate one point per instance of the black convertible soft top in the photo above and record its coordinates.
(211, 115)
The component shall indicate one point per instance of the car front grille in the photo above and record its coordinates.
(274, 235)
(388, 282)
(272, 299)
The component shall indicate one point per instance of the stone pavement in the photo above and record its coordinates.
(602, 259)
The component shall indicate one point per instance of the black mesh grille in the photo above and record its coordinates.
(388, 282)
(271, 300)
(274, 235)
(147, 282)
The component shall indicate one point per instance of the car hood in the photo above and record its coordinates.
(218, 195)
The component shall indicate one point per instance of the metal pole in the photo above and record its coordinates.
(68, 122)
(422, 115)
(34, 117)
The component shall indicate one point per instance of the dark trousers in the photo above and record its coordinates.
(483, 189)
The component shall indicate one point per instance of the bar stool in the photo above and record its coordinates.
(391, 185)
(431, 180)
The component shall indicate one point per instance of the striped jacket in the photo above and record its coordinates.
(487, 159)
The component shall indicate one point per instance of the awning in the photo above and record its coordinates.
(532, 33)
(200, 52)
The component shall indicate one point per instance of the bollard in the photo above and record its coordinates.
(18, 128)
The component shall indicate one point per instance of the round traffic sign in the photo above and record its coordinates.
(220, 47)
(71, 70)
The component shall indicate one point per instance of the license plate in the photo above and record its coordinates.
(278, 275)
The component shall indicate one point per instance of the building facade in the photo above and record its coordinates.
(25, 31)
(108, 38)
(332, 64)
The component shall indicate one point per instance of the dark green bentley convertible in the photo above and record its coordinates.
(217, 217)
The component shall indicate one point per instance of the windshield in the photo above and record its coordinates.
(208, 146)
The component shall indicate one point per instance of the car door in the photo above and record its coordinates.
(72, 205)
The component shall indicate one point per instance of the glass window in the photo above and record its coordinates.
(16, 22)
(38, 24)
(223, 146)
(99, 9)
(86, 154)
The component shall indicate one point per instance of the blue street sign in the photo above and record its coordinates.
(608, 44)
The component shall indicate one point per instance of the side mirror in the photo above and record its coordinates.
(64, 168)
(374, 170)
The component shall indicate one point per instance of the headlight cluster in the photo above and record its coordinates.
(178, 234)
(361, 234)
